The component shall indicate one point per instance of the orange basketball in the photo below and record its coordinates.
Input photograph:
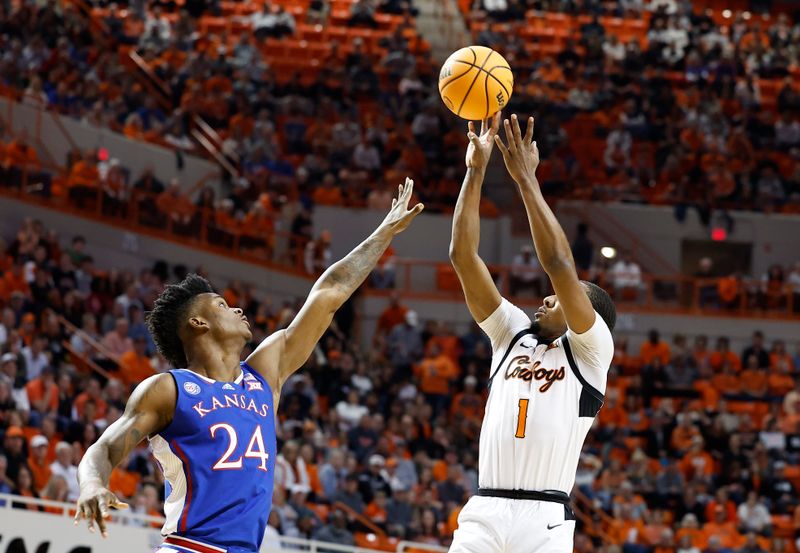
(476, 82)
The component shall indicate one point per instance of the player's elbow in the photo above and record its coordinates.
(557, 265)
(460, 255)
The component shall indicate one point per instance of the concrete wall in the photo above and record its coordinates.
(134, 155)
(775, 237)
(114, 247)
(428, 238)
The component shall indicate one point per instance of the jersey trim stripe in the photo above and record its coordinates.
(514, 340)
(175, 481)
(598, 395)
(193, 545)
(187, 471)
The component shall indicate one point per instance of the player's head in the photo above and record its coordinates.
(549, 320)
(189, 311)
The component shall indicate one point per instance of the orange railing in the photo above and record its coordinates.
(415, 279)
(672, 294)
(139, 213)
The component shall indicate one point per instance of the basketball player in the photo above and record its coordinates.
(548, 375)
(211, 424)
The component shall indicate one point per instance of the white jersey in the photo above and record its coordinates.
(542, 402)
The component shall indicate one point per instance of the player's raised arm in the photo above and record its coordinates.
(479, 288)
(288, 350)
(148, 411)
(552, 247)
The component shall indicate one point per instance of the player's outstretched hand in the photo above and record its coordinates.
(521, 155)
(400, 216)
(94, 505)
(480, 147)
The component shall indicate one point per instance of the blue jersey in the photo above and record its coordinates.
(218, 457)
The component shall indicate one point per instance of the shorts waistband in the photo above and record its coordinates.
(554, 496)
(193, 545)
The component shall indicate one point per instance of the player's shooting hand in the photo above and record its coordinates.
(400, 216)
(94, 505)
(521, 155)
(480, 147)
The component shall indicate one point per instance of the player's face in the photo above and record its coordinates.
(224, 321)
(549, 321)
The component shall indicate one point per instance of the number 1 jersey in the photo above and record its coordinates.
(218, 458)
(542, 402)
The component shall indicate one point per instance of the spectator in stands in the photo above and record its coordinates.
(617, 156)
(404, 344)
(63, 466)
(753, 516)
(757, 349)
(526, 273)
(349, 494)
(335, 531)
(38, 462)
(436, 371)
(625, 277)
(362, 13)
(117, 341)
(318, 254)
(583, 248)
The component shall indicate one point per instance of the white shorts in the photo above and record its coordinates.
(499, 525)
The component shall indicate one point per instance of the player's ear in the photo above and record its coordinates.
(198, 325)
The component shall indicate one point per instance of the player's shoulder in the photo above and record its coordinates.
(157, 392)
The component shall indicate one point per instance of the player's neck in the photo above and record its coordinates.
(213, 361)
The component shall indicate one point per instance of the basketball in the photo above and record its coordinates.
(475, 82)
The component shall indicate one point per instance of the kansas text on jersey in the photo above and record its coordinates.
(218, 457)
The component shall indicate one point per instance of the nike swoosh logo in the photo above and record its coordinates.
(550, 527)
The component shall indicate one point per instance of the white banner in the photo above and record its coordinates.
(24, 531)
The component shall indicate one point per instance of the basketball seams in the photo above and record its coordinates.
(498, 80)
(446, 84)
(472, 84)
(493, 93)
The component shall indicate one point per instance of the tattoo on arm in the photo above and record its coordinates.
(347, 274)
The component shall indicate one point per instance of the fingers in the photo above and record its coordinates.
(517, 131)
(78, 514)
(512, 146)
(103, 504)
(119, 505)
(101, 523)
(501, 146)
(470, 128)
(495, 128)
(473, 138)
(535, 148)
(483, 126)
(408, 189)
(529, 131)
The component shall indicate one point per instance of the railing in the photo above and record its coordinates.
(278, 250)
(67, 510)
(672, 294)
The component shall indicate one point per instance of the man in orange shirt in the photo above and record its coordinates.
(723, 353)
(39, 463)
(43, 392)
(654, 347)
(467, 405)
(754, 378)
(435, 372)
(697, 463)
(328, 193)
(393, 315)
(723, 529)
(135, 365)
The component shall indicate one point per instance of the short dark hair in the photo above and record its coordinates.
(602, 303)
(167, 314)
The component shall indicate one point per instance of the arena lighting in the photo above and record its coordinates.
(747, 16)
(608, 252)
(726, 14)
